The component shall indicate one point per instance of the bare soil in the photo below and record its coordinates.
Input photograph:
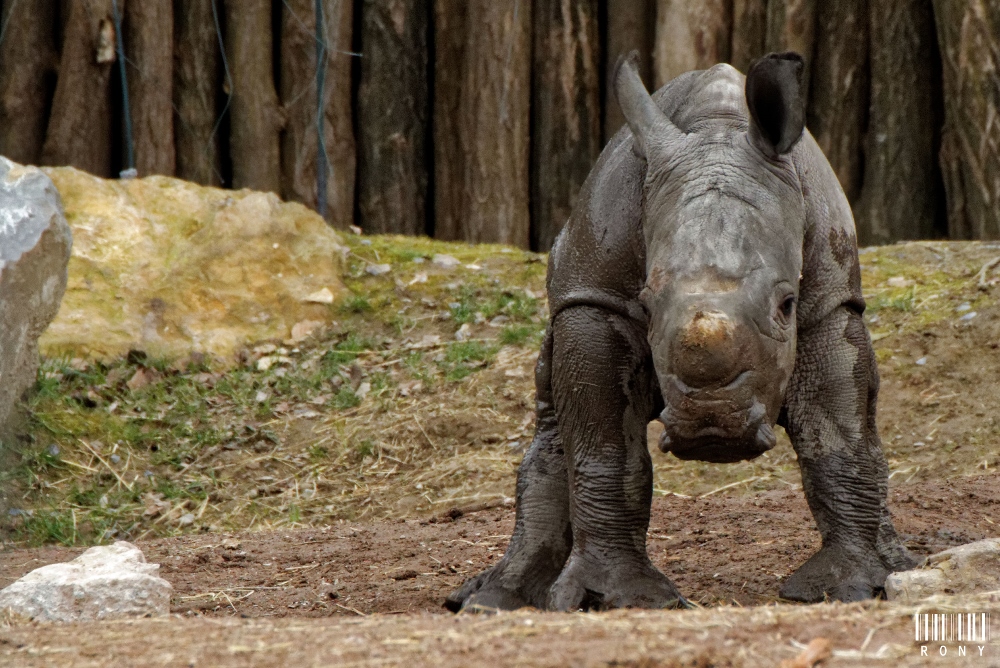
(720, 550)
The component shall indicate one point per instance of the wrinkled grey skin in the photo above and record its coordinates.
(708, 277)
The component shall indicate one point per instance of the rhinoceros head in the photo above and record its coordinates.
(723, 220)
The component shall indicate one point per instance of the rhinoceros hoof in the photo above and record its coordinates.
(839, 574)
(500, 589)
(587, 586)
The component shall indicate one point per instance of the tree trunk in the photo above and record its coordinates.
(27, 60)
(749, 32)
(630, 26)
(149, 48)
(256, 119)
(690, 35)
(79, 129)
(791, 26)
(300, 148)
(566, 107)
(196, 89)
(495, 120)
(392, 115)
(450, 18)
(838, 100)
(970, 145)
(902, 188)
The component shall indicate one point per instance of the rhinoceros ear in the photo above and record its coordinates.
(775, 98)
(649, 125)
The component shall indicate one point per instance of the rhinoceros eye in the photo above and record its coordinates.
(787, 306)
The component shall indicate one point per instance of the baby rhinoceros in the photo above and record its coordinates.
(707, 277)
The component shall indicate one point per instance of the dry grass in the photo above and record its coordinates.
(386, 414)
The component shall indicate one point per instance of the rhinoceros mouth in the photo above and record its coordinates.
(725, 425)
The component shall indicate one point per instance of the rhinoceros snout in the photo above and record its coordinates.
(707, 350)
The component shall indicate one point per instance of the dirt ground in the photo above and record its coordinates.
(720, 550)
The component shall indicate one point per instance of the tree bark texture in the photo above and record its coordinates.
(690, 35)
(393, 116)
(838, 100)
(149, 50)
(27, 62)
(450, 18)
(902, 190)
(970, 145)
(791, 26)
(749, 32)
(566, 107)
(196, 89)
(79, 128)
(300, 148)
(631, 25)
(495, 121)
(256, 119)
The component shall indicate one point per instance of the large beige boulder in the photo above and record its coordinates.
(966, 569)
(34, 249)
(172, 268)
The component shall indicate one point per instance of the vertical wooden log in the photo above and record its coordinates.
(256, 119)
(902, 190)
(970, 145)
(791, 26)
(631, 26)
(449, 72)
(27, 60)
(392, 116)
(300, 148)
(838, 99)
(149, 49)
(690, 35)
(749, 32)
(495, 121)
(566, 108)
(79, 129)
(196, 89)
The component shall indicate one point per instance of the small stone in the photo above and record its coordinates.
(115, 459)
(464, 333)
(419, 278)
(53, 450)
(366, 242)
(261, 397)
(303, 329)
(473, 267)
(922, 361)
(968, 316)
(378, 269)
(186, 520)
(323, 296)
(419, 260)
(899, 282)
(265, 363)
(363, 390)
(445, 261)
(964, 307)
(265, 349)
(108, 582)
(499, 321)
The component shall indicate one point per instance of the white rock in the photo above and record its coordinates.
(35, 243)
(102, 583)
(969, 568)
(324, 296)
(464, 333)
(446, 261)
(378, 269)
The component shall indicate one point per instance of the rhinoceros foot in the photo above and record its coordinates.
(584, 585)
(838, 573)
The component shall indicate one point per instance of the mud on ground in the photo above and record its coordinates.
(720, 550)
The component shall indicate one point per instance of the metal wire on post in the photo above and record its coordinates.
(321, 158)
(129, 172)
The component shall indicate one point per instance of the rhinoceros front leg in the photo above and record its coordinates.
(602, 386)
(541, 540)
(831, 421)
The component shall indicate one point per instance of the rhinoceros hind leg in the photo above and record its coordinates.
(542, 539)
